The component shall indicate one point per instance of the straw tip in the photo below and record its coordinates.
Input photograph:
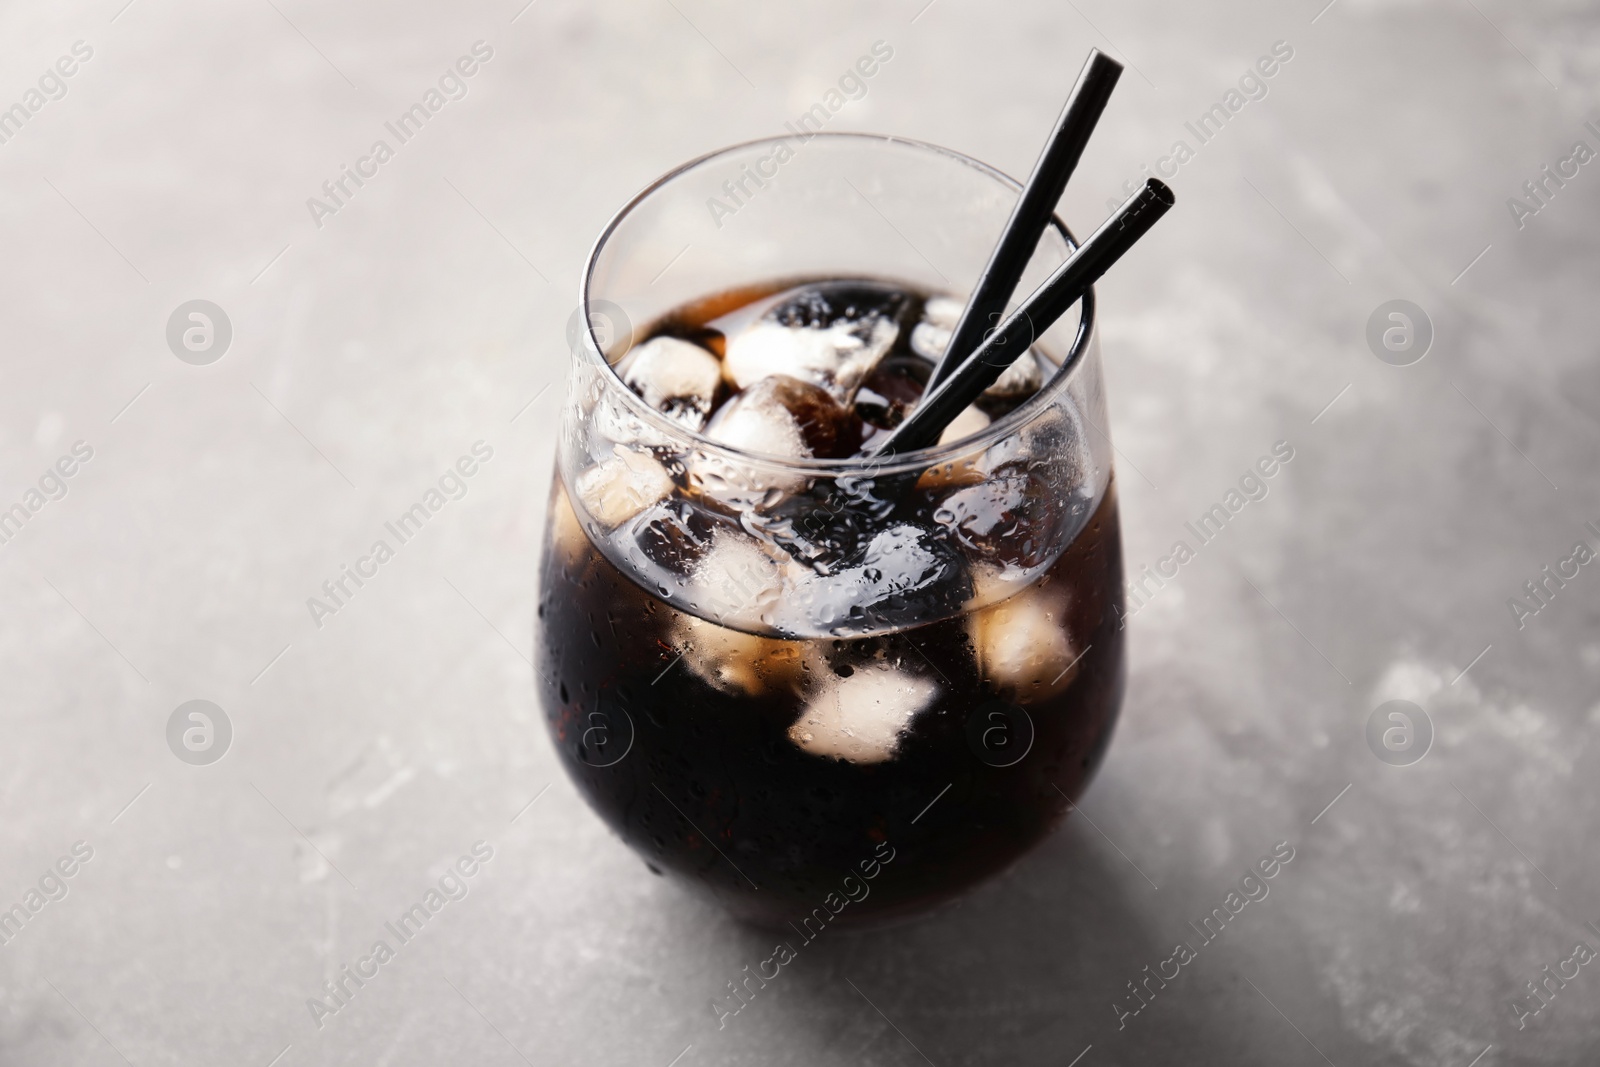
(1161, 191)
(1098, 59)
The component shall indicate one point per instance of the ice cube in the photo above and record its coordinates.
(943, 311)
(929, 340)
(735, 662)
(827, 525)
(616, 490)
(754, 421)
(906, 574)
(738, 580)
(1022, 644)
(781, 417)
(862, 718)
(830, 335)
(1022, 378)
(992, 583)
(785, 417)
(1050, 443)
(931, 336)
(675, 377)
(663, 544)
(1008, 519)
(858, 304)
(891, 390)
(836, 359)
(964, 425)
(963, 470)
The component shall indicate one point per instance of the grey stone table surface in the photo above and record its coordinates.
(376, 340)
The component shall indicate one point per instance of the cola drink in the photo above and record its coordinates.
(822, 688)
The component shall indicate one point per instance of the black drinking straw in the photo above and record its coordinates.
(1032, 213)
(1037, 314)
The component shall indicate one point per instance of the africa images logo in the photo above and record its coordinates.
(852, 85)
(1399, 733)
(1399, 333)
(199, 332)
(199, 732)
(451, 887)
(337, 192)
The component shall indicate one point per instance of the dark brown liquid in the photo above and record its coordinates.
(706, 782)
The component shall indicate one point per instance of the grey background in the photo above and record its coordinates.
(429, 313)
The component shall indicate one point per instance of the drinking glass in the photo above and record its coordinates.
(801, 763)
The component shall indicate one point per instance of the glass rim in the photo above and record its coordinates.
(917, 459)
